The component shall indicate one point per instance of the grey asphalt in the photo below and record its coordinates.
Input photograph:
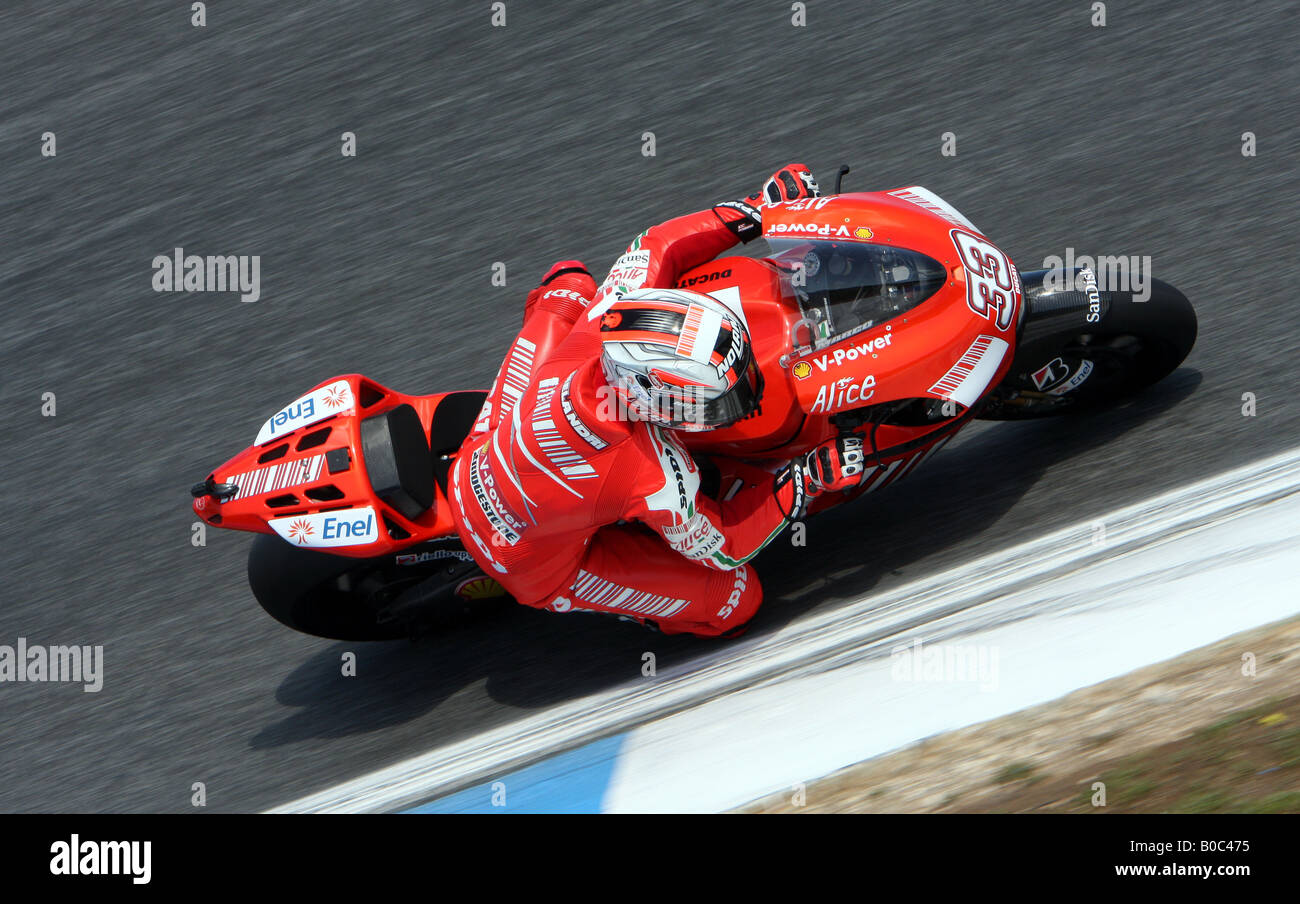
(521, 145)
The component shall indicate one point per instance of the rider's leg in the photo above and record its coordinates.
(549, 314)
(630, 571)
(565, 281)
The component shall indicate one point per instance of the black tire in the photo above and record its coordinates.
(1129, 346)
(308, 591)
(342, 598)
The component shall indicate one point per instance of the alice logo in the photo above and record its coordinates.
(181, 272)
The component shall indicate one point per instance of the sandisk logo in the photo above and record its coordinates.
(696, 538)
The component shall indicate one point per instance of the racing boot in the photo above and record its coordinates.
(567, 288)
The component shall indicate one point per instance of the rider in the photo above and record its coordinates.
(573, 489)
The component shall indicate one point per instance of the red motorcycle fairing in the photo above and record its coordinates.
(953, 346)
(345, 467)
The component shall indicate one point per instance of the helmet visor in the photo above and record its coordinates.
(740, 401)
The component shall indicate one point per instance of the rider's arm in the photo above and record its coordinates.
(662, 253)
(755, 506)
(685, 242)
(666, 497)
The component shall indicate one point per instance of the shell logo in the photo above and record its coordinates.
(862, 232)
(802, 370)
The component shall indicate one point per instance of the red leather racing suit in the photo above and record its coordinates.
(572, 508)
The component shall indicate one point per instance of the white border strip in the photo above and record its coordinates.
(816, 642)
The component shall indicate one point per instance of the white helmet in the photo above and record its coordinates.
(679, 359)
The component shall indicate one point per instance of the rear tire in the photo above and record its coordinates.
(308, 591)
(437, 588)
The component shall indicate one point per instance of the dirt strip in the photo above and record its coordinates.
(1193, 734)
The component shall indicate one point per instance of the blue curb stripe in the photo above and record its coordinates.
(573, 782)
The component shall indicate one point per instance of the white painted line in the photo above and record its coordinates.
(817, 642)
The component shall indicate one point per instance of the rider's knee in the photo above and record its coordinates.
(734, 603)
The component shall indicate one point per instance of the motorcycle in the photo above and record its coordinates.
(886, 313)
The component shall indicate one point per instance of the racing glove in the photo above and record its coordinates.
(836, 465)
(789, 183)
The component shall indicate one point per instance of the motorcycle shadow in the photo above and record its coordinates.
(955, 506)
(959, 505)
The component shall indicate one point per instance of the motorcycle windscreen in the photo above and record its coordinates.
(844, 288)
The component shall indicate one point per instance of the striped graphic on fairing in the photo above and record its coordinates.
(277, 477)
(966, 380)
(883, 475)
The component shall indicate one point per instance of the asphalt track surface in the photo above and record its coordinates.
(523, 144)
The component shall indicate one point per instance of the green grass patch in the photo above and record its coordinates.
(1015, 772)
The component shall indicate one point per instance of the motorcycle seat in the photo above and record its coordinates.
(397, 458)
(452, 421)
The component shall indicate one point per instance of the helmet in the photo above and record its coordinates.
(679, 359)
